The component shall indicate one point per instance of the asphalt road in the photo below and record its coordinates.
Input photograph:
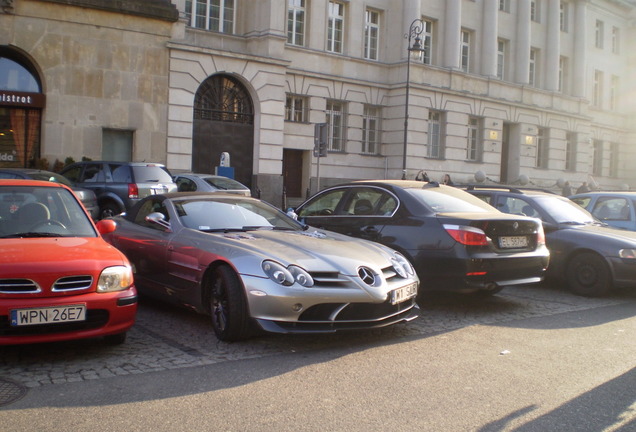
(529, 359)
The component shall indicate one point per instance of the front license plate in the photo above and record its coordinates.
(513, 242)
(48, 315)
(403, 294)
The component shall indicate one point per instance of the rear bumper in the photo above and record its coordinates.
(466, 275)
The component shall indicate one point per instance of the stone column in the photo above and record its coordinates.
(452, 33)
(580, 40)
(522, 73)
(412, 11)
(489, 42)
(553, 47)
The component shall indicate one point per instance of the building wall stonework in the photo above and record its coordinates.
(99, 69)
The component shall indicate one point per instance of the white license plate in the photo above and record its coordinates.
(513, 242)
(403, 294)
(48, 315)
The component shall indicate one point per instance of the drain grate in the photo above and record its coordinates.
(10, 392)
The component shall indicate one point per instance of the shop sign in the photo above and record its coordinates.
(21, 99)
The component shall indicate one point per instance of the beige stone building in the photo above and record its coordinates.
(510, 91)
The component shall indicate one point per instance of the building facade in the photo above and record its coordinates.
(510, 91)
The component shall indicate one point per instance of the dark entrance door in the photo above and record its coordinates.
(223, 122)
(293, 172)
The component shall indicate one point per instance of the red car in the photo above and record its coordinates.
(59, 280)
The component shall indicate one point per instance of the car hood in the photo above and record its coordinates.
(598, 230)
(314, 250)
(57, 256)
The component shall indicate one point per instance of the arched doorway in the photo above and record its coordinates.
(223, 122)
(21, 104)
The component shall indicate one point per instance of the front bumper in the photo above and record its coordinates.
(324, 310)
(106, 314)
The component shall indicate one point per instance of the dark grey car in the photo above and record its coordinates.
(86, 196)
(119, 185)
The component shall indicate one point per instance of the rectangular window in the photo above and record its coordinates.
(336, 119)
(296, 108)
(614, 92)
(435, 144)
(501, 59)
(532, 76)
(597, 90)
(542, 154)
(296, 22)
(504, 5)
(614, 158)
(597, 160)
(215, 15)
(563, 16)
(371, 34)
(464, 52)
(117, 145)
(371, 129)
(427, 42)
(335, 27)
(616, 40)
(534, 11)
(599, 34)
(570, 151)
(474, 152)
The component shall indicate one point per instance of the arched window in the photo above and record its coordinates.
(21, 103)
(223, 98)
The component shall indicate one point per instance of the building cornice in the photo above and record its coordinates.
(156, 9)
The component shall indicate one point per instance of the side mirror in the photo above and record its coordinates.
(159, 219)
(106, 226)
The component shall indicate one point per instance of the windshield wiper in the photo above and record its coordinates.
(572, 223)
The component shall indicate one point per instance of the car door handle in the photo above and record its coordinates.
(370, 230)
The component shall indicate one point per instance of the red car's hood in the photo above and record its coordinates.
(20, 258)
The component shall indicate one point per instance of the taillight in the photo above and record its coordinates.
(466, 235)
(540, 235)
(133, 190)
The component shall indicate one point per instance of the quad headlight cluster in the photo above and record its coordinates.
(287, 276)
(402, 266)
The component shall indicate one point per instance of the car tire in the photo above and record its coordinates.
(587, 274)
(108, 209)
(116, 339)
(228, 307)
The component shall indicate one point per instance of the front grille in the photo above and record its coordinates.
(18, 286)
(95, 318)
(72, 283)
(329, 280)
(353, 312)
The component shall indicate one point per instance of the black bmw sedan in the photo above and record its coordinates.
(455, 241)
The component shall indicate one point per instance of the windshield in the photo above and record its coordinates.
(450, 200)
(563, 210)
(214, 214)
(224, 183)
(33, 211)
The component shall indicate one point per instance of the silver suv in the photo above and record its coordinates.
(119, 185)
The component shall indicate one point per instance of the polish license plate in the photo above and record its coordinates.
(510, 242)
(403, 294)
(48, 315)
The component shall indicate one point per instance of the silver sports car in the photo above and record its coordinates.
(251, 267)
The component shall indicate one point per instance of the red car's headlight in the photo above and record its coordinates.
(117, 278)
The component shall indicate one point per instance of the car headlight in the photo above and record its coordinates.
(627, 253)
(402, 266)
(117, 278)
(287, 276)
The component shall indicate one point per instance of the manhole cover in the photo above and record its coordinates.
(10, 391)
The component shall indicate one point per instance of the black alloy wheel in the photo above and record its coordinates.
(228, 307)
(588, 275)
